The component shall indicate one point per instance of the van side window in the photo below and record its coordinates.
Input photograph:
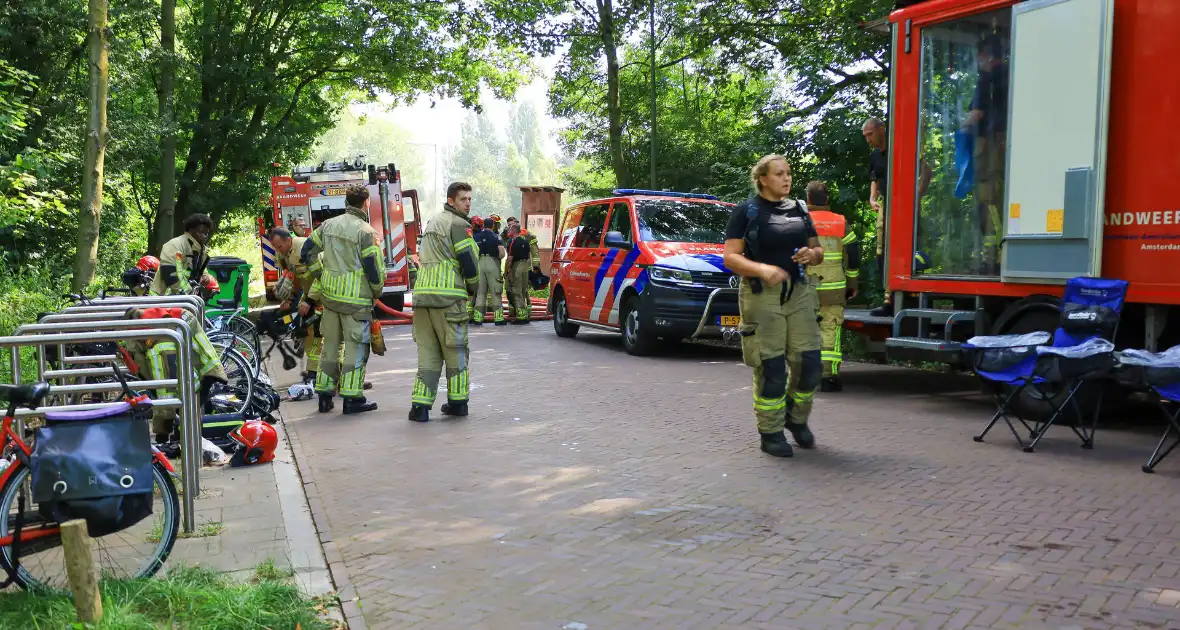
(620, 220)
(569, 228)
(593, 220)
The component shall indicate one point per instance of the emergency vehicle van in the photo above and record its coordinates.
(647, 264)
(314, 194)
(1029, 143)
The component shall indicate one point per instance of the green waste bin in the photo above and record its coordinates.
(233, 274)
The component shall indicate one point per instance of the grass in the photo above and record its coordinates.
(188, 598)
(204, 530)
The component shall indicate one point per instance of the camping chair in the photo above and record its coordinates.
(1081, 352)
(1159, 372)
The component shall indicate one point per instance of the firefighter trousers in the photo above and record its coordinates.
(313, 344)
(441, 337)
(487, 296)
(831, 326)
(345, 353)
(781, 341)
(522, 306)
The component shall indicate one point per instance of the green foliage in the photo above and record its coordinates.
(496, 167)
(187, 597)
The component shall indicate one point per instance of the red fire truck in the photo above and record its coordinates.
(313, 194)
(1045, 125)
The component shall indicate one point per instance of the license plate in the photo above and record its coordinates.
(729, 320)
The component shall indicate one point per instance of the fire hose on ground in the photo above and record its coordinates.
(539, 312)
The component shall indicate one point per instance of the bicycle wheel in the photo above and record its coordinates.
(241, 344)
(136, 552)
(232, 397)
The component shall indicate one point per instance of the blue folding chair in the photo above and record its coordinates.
(1159, 372)
(1081, 352)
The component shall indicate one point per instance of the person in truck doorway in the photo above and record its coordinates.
(987, 120)
(837, 278)
(877, 137)
(768, 242)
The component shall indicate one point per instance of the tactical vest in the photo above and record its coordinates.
(345, 240)
(831, 229)
(440, 281)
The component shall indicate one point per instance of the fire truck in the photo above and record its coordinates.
(1028, 143)
(313, 194)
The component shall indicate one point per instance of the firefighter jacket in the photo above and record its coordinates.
(350, 270)
(840, 269)
(181, 259)
(449, 261)
(305, 281)
(534, 250)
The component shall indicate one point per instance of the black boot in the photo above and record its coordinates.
(419, 413)
(358, 405)
(802, 435)
(776, 444)
(451, 408)
(368, 385)
(831, 384)
(326, 403)
(502, 322)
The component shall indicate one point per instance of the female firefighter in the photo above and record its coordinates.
(768, 241)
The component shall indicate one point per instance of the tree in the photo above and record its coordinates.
(164, 213)
(96, 138)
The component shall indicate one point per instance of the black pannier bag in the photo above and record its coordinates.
(95, 465)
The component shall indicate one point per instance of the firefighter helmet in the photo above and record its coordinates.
(476, 223)
(148, 264)
(256, 441)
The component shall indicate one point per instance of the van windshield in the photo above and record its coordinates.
(679, 221)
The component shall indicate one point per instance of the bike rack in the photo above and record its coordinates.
(110, 322)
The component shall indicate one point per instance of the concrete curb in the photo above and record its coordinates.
(349, 600)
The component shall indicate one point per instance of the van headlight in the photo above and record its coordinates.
(666, 274)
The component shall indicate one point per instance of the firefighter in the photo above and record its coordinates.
(768, 240)
(449, 274)
(491, 253)
(522, 256)
(183, 260)
(835, 279)
(304, 288)
(351, 274)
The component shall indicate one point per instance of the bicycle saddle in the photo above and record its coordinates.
(27, 395)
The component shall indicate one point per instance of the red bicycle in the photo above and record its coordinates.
(30, 543)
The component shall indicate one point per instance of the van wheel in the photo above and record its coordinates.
(638, 339)
(561, 319)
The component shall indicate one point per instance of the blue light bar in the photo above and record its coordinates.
(627, 192)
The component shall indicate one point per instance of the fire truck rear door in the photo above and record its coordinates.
(1057, 127)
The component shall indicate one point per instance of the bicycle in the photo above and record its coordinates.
(30, 542)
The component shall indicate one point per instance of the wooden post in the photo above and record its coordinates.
(80, 569)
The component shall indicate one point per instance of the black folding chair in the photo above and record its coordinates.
(1081, 352)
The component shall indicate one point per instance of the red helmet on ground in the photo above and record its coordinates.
(211, 285)
(476, 223)
(257, 442)
(148, 263)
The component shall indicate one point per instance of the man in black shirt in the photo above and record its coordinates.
(877, 137)
(988, 120)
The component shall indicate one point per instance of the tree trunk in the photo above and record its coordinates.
(606, 26)
(164, 221)
(96, 137)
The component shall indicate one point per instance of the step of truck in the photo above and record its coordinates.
(919, 349)
(864, 317)
(937, 315)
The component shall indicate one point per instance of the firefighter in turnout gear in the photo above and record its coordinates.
(183, 259)
(351, 274)
(491, 252)
(768, 242)
(835, 279)
(449, 274)
(303, 287)
(523, 255)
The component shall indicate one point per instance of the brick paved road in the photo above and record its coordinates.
(591, 487)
